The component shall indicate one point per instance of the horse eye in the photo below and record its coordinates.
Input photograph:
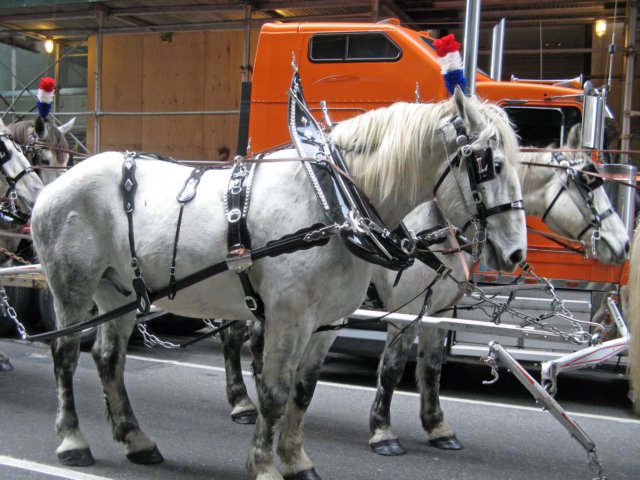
(498, 167)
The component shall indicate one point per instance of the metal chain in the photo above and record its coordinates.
(578, 336)
(13, 256)
(151, 341)
(10, 312)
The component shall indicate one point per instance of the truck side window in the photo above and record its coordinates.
(353, 47)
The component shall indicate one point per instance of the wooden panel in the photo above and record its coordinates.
(173, 80)
(223, 73)
(194, 72)
(121, 92)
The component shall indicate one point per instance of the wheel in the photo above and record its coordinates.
(170, 324)
(48, 318)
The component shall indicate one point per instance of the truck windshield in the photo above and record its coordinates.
(542, 127)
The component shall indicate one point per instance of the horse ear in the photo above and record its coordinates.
(466, 110)
(39, 126)
(66, 128)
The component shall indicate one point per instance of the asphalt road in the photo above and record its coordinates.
(179, 398)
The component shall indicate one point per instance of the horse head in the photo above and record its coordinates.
(20, 184)
(478, 187)
(572, 201)
(45, 145)
(50, 147)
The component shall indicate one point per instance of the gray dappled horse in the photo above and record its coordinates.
(548, 192)
(396, 154)
(20, 187)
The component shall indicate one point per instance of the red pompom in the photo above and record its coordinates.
(47, 84)
(446, 44)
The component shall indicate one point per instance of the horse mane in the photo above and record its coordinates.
(386, 146)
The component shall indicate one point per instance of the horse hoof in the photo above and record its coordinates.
(446, 443)
(388, 448)
(146, 457)
(5, 365)
(310, 474)
(248, 417)
(80, 457)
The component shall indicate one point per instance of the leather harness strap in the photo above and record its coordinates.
(129, 186)
(185, 195)
(236, 207)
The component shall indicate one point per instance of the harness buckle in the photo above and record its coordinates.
(251, 303)
(239, 259)
(234, 215)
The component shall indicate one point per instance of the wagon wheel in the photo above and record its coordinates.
(170, 324)
(48, 318)
(23, 301)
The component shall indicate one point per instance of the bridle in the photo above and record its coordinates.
(8, 208)
(480, 168)
(34, 147)
(585, 183)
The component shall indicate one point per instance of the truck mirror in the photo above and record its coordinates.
(592, 121)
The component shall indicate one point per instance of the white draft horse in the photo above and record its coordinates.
(396, 154)
(548, 192)
(565, 213)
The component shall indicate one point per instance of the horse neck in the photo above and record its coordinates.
(390, 154)
(535, 180)
(393, 207)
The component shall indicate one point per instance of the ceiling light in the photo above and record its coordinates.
(48, 45)
(601, 27)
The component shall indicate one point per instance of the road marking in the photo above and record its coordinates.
(407, 394)
(48, 469)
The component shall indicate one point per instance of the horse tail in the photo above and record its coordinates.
(634, 318)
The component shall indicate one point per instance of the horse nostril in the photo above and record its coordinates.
(516, 257)
(626, 247)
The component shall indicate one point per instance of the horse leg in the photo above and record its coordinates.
(74, 448)
(109, 353)
(296, 464)
(256, 342)
(283, 349)
(383, 440)
(243, 410)
(428, 371)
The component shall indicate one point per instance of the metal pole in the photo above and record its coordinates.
(497, 50)
(629, 68)
(471, 31)
(97, 99)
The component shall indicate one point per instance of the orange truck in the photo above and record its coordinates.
(355, 67)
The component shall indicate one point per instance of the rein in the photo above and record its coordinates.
(314, 236)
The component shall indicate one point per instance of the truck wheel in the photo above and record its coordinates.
(48, 319)
(23, 301)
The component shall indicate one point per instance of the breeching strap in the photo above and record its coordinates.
(314, 236)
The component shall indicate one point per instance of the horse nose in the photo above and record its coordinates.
(516, 257)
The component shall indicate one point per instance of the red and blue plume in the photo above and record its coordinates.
(45, 96)
(448, 50)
